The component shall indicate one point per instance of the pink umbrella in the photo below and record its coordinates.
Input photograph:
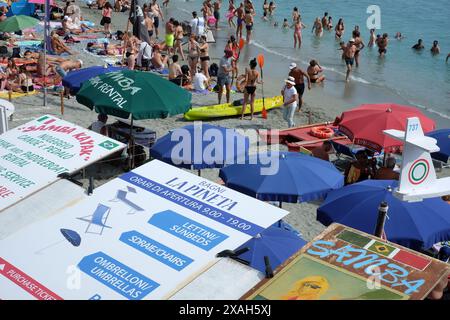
(52, 2)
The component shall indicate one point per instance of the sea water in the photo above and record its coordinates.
(403, 76)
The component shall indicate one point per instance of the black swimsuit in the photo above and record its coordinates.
(250, 89)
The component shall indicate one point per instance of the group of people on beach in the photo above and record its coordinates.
(188, 63)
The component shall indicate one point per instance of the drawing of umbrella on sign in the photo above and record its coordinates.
(69, 235)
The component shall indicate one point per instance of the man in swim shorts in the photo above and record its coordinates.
(382, 43)
(349, 57)
(299, 75)
(240, 13)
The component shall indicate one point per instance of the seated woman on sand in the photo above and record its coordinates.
(158, 60)
(57, 45)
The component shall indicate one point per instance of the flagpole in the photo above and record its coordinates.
(46, 18)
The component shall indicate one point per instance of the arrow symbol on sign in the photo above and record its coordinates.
(2, 266)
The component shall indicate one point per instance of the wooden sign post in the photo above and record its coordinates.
(347, 264)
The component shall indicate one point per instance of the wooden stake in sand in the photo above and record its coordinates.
(61, 95)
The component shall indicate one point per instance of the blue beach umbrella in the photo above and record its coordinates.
(276, 243)
(201, 146)
(416, 225)
(443, 141)
(74, 79)
(299, 178)
(72, 236)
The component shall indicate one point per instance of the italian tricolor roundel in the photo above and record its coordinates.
(418, 172)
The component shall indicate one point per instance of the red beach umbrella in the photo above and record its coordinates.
(365, 124)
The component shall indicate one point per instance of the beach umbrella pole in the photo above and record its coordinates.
(382, 213)
(269, 271)
(46, 19)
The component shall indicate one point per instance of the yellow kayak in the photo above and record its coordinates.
(228, 110)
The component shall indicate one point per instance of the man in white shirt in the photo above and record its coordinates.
(197, 25)
(290, 96)
(144, 55)
(200, 81)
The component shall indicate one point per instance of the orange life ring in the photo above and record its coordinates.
(322, 132)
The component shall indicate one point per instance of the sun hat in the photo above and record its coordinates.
(290, 80)
(292, 65)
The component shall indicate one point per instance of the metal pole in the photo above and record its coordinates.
(46, 19)
(382, 213)
(269, 271)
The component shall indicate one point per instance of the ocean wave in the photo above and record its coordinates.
(430, 110)
(261, 46)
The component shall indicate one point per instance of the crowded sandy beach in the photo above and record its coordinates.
(299, 84)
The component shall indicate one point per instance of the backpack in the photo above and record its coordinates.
(213, 70)
(3, 50)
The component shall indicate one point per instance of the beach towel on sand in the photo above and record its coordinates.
(4, 94)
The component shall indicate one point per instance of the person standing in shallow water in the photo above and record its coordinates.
(251, 79)
(382, 43)
(240, 14)
(248, 24)
(298, 26)
(372, 38)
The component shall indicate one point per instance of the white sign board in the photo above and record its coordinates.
(143, 235)
(34, 154)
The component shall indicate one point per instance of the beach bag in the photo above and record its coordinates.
(353, 175)
(237, 103)
(15, 52)
(3, 50)
(213, 70)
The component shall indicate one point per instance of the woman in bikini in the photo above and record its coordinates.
(233, 46)
(318, 27)
(179, 35)
(131, 49)
(298, 26)
(230, 14)
(251, 79)
(339, 29)
(295, 16)
(204, 55)
(193, 55)
(313, 72)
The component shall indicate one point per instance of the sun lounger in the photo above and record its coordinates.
(97, 220)
(121, 196)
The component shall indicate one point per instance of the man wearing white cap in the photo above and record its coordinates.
(298, 74)
(290, 97)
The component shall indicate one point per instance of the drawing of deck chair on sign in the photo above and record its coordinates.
(97, 221)
(122, 197)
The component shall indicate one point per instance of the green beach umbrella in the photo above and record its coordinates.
(17, 23)
(143, 95)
